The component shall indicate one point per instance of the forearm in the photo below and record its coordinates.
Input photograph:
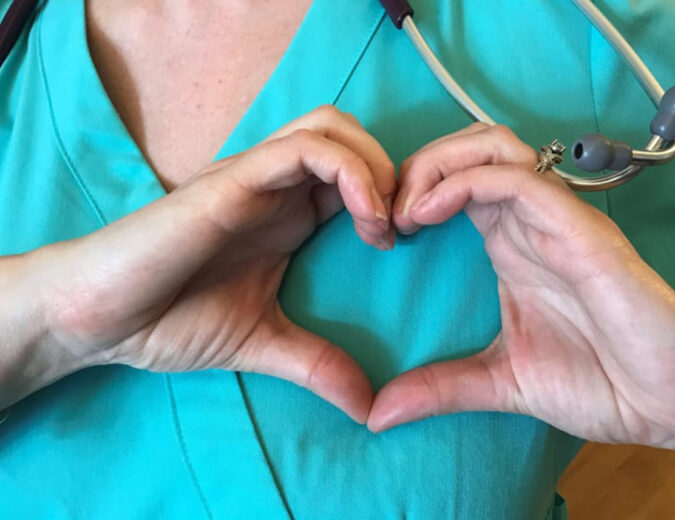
(30, 357)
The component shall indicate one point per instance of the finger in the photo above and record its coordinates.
(289, 161)
(382, 242)
(467, 130)
(345, 129)
(405, 197)
(310, 361)
(478, 146)
(480, 382)
(327, 201)
(541, 200)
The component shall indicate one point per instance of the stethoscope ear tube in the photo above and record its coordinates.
(12, 24)
(397, 10)
(663, 123)
(593, 152)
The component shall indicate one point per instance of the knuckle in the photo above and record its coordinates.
(510, 148)
(351, 118)
(502, 132)
(415, 163)
(324, 360)
(353, 163)
(431, 383)
(302, 136)
(327, 111)
(479, 125)
(530, 155)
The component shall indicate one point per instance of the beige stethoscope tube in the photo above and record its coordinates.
(653, 152)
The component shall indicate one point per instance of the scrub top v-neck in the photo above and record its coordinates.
(113, 442)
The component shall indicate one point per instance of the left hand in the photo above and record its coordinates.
(588, 329)
(190, 281)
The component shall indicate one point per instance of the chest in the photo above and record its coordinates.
(181, 77)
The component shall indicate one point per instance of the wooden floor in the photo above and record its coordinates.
(620, 483)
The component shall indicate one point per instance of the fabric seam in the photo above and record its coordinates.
(263, 449)
(359, 56)
(594, 99)
(100, 216)
(59, 141)
(103, 221)
(335, 98)
(184, 449)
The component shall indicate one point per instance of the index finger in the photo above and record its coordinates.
(345, 129)
(477, 146)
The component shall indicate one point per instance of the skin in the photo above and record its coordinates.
(588, 329)
(181, 73)
(190, 282)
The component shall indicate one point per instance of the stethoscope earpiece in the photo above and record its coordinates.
(663, 123)
(593, 152)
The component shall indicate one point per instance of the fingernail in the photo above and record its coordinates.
(380, 209)
(385, 245)
(413, 228)
(378, 206)
(384, 423)
(401, 202)
(406, 206)
(421, 202)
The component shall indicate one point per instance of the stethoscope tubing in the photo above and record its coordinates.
(649, 83)
(12, 24)
(657, 150)
(653, 154)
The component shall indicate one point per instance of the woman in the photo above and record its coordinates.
(216, 444)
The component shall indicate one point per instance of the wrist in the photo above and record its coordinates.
(641, 314)
(32, 355)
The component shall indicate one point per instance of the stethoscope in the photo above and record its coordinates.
(592, 153)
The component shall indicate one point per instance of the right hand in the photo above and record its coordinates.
(588, 328)
(190, 282)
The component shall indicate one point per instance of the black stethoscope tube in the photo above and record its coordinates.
(18, 13)
(12, 24)
(397, 10)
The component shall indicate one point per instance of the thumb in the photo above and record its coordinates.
(481, 382)
(297, 355)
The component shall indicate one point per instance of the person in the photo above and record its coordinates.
(588, 328)
(152, 288)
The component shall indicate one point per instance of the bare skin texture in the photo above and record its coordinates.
(182, 73)
(116, 296)
(588, 329)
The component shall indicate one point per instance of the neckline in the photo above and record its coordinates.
(101, 155)
(115, 178)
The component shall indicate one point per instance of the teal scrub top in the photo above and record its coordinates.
(114, 442)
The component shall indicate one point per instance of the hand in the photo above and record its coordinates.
(190, 282)
(588, 329)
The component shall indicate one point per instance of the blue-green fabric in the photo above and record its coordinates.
(112, 442)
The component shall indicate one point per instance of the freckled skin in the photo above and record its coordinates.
(182, 74)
